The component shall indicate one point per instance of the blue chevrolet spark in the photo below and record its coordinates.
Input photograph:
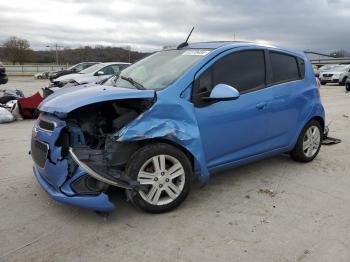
(173, 117)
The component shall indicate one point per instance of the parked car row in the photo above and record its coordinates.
(70, 70)
(333, 74)
(94, 73)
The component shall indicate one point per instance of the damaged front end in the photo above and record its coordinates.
(76, 155)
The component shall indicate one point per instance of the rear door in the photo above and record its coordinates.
(235, 129)
(287, 88)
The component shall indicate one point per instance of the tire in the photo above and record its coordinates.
(323, 83)
(160, 195)
(307, 154)
(343, 83)
(347, 87)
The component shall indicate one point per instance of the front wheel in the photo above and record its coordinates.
(309, 143)
(347, 87)
(164, 172)
(343, 82)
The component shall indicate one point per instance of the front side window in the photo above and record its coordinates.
(243, 70)
(284, 68)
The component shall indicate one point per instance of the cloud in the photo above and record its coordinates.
(319, 25)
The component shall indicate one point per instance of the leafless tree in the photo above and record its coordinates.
(16, 49)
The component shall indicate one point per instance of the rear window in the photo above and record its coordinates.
(284, 68)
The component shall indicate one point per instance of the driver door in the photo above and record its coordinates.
(235, 129)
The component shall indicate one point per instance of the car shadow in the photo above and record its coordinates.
(250, 175)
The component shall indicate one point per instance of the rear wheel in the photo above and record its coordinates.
(309, 142)
(165, 173)
(323, 83)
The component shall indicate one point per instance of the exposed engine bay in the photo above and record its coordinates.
(99, 120)
(88, 138)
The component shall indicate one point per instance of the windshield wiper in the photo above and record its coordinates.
(133, 82)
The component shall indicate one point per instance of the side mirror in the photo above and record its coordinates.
(223, 92)
(74, 69)
(100, 73)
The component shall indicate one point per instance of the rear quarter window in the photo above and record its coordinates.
(301, 63)
(284, 68)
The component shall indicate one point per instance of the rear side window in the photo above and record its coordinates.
(284, 68)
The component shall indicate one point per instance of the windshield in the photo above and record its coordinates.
(110, 81)
(72, 67)
(92, 69)
(327, 67)
(160, 69)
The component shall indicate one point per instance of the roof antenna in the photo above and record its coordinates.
(185, 43)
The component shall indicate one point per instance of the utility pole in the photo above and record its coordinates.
(129, 52)
(56, 46)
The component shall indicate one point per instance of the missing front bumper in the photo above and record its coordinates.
(94, 164)
(98, 202)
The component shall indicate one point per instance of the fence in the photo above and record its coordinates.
(29, 70)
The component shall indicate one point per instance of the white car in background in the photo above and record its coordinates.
(338, 74)
(93, 74)
(322, 69)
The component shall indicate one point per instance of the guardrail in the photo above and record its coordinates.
(30, 70)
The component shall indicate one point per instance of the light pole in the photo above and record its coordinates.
(56, 46)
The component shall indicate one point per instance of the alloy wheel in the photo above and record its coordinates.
(312, 141)
(164, 178)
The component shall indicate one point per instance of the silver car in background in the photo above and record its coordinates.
(93, 74)
(337, 74)
(322, 69)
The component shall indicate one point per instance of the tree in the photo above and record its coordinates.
(16, 49)
(340, 53)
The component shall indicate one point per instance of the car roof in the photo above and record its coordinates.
(113, 63)
(234, 44)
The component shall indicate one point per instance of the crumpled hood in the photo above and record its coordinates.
(67, 99)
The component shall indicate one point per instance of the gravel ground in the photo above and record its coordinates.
(306, 216)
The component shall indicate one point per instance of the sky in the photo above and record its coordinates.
(317, 25)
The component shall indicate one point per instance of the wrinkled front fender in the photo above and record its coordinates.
(174, 121)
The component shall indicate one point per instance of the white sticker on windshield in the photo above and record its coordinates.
(196, 52)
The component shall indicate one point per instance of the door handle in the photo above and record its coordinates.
(261, 105)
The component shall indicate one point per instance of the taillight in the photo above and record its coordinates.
(318, 82)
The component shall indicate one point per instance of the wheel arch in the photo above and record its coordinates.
(320, 120)
(188, 154)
